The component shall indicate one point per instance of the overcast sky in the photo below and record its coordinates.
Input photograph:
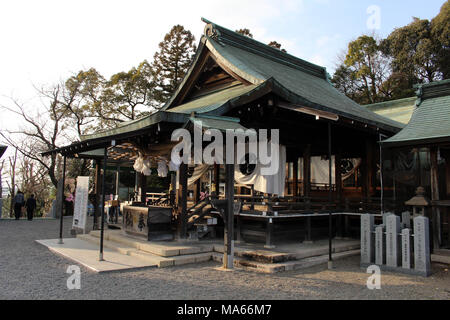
(43, 41)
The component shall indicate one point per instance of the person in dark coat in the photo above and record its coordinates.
(31, 206)
(19, 202)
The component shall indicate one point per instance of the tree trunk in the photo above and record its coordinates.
(13, 182)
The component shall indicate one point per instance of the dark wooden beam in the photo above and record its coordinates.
(229, 225)
(446, 155)
(173, 187)
(338, 177)
(295, 176)
(197, 191)
(97, 188)
(436, 215)
(62, 203)
(217, 179)
(307, 171)
(102, 227)
(182, 201)
(367, 170)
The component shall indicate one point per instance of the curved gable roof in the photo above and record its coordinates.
(430, 122)
(257, 63)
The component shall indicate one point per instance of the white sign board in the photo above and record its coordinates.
(81, 202)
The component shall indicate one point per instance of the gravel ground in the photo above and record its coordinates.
(30, 271)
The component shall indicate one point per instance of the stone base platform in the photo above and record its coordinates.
(87, 254)
(250, 257)
(441, 256)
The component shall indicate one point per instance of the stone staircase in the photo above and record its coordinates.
(265, 261)
(167, 254)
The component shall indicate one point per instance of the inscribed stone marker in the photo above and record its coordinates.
(392, 241)
(379, 245)
(406, 249)
(422, 245)
(367, 245)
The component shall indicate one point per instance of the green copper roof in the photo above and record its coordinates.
(220, 123)
(301, 81)
(214, 100)
(430, 122)
(267, 70)
(139, 124)
(399, 110)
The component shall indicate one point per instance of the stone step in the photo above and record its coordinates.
(260, 267)
(164, 249)
(161, 262)
(107, 244)
(441, 258)
(263, 256)
(267, 256)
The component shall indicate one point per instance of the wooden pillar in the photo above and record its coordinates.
(217, 179)
(307, 171)
(102, 228)
(369, 177)
(338, 183)
(182, 201)
(338, 178)
(228, 256)
(197, 191)
(295, 176)
(436, 216)
(286, 185)
(117, 180)
(141, 187)
(330, 196)
(269, 234)
(62, 203)
(366, 169)
(172, 188)
(97, 200)
(446, 155)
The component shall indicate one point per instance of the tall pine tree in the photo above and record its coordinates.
(172, 61)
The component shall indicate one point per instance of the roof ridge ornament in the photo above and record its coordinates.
(211, 32)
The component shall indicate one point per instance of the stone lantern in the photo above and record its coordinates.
(419, 202)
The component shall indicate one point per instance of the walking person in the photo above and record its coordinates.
(31, 206)
(19, 202)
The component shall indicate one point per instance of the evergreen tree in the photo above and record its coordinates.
(414, 51)
(172, 61)
(374, 71)
(131, 93)
(363, 73)
(440, 31)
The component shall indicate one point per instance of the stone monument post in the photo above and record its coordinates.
(367, 245)
(380, 245)
(392, 241)
(406, 249)
(422, 262)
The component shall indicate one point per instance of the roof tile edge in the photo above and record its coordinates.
(226, 36)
